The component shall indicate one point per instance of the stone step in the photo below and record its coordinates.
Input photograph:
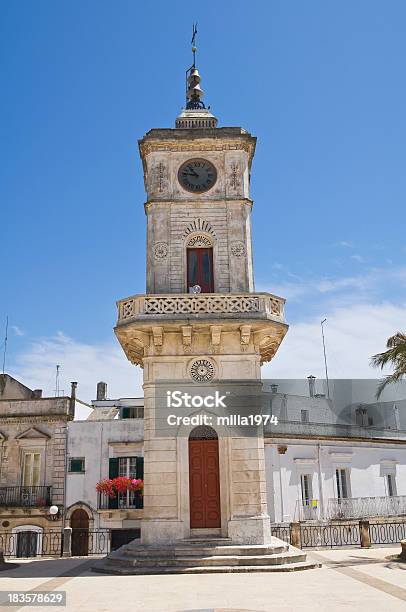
(223, 560)
(200, 551)
(206, 540)
(107, 568)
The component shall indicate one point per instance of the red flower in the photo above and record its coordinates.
(113, 486)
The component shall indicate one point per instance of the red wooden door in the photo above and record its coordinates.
(204, 484)
(200, 269)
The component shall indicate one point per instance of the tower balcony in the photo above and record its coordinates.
(144, 319)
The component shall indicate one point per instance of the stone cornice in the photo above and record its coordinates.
(34, 419)
(218, 139)
(172, 201)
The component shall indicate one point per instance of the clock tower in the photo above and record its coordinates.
(200, 322)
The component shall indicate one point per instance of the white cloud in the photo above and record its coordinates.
(344, 243)
(352, 335)
(369, 285)
(85, 363)
(17, 330)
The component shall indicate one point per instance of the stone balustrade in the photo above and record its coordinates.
(203, 303)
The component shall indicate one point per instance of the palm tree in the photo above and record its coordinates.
(396, 356)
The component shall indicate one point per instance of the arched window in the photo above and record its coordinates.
(199, 255)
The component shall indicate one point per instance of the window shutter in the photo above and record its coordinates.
(140, 467)
(113, 467)
(113, 473)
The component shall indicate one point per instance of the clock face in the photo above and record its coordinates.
(197, 175)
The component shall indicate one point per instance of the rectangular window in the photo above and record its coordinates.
(76, 464)
(31, 469)
(342, 480)
(306, 486)
(391, 485)
(304, 416)
(132, 412)
(127, 466)
(130, 467)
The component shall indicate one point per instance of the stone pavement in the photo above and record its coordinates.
(350, 579)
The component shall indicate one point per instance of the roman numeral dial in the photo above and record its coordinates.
(197, 175)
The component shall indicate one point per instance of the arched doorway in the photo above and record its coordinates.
(79, 521)
(204, 479)
(199, 263)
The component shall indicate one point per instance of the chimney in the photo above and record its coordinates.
(312, 385)
(73, 386)
(37, 393)
(101, 393)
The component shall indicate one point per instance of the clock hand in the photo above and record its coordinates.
(191, 169)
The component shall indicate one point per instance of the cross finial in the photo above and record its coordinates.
(193, 42)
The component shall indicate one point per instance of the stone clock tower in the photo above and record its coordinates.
(200, 321)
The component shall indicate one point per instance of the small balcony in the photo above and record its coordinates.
(179, 306)
(144, 320)
(25, 497)
(131, 500)
(366, 507)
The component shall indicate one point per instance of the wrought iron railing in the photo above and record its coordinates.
(49, 542)
(387, 533)
(307, 510)
(334, 430)
(25, 496)
(366, 507)
(329, 535)
(336, 534)
(131, 500)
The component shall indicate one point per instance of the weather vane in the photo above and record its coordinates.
(193, 42)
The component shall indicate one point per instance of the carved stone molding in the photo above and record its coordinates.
(245, 334)
(199, 225)
(202, 370)
(237, 248)
(187, 337)
(158, 336)
(199, 241)
(215, 333)
(161, 250)
(154, 147)
(235, 176)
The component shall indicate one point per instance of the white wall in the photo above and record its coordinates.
(366, 463)
(97, 441)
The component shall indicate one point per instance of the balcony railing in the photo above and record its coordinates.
(141, 306)
(307, 510)
(132, 500)
(364, 507)
(25, 496)
(297, 428)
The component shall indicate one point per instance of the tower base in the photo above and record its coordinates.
(204, 557)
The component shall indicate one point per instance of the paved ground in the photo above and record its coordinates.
(350, 579)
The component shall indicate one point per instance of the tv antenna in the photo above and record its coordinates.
(325, 356)
(57, 381)
(5, 345)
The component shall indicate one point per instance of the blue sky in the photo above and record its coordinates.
(320, 83)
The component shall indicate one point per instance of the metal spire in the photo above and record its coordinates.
(194, 93)
(193, 43)
(195, 114)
